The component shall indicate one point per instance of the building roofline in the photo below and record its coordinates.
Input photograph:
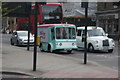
(108, 11)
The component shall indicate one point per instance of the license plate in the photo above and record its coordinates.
(105, 47)
(67, 49)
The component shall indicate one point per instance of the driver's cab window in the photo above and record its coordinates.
(83, 33)
(79, 32)
(52, 34)
(58, 35)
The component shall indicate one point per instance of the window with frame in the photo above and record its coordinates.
(52, 34)
(79, 32)
(65, 33)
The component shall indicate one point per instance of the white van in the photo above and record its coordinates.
(96, 39)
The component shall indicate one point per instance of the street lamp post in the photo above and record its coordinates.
(28, 33)
(85, 5)
(35, 38)
(35, 32)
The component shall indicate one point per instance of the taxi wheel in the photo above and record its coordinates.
(90, 48)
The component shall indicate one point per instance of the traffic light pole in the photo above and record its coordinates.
(85, 5)
(28, 44)
(85, 43)
(35, 34)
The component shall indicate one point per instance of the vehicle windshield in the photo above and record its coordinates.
(52, 14)
(65, 33)
(96, 32)
(23, 34)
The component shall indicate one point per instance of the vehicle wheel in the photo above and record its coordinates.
(41, 48)
(90, 48)
(11, 42)
(69, 51)
(110, 50)
(17, 43)
(50, 49)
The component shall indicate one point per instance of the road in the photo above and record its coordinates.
(103, 58)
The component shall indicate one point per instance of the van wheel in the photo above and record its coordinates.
(41, 48)
(11, 42)
(110, 50)
(90, 48)
(49, 48)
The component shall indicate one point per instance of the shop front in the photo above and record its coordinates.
(110, 22)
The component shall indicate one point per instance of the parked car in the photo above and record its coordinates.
(21, 38)
(96, 39)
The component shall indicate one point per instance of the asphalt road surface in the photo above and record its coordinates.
(103, 58)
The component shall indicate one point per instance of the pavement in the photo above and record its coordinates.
(50, 65)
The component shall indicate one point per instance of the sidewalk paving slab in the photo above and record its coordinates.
(50, 65)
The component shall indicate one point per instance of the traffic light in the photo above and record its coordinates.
(84, 4)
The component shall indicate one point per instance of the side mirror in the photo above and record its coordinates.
(33, 35)
(15, 35)
(106, 34)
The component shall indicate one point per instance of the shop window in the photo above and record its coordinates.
(110, 29)
(105, 5)
(116, 28)
(16, 20)
(9, 22)
(12, 22)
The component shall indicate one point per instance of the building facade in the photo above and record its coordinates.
(9, 24)
(108, 17)
(75, 14)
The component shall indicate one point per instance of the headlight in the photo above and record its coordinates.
(25, 40)
(60, 44)
(20, 39)
(73, 44)
(112, 41)
(96, 42)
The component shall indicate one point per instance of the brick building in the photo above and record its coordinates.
(9, 23)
